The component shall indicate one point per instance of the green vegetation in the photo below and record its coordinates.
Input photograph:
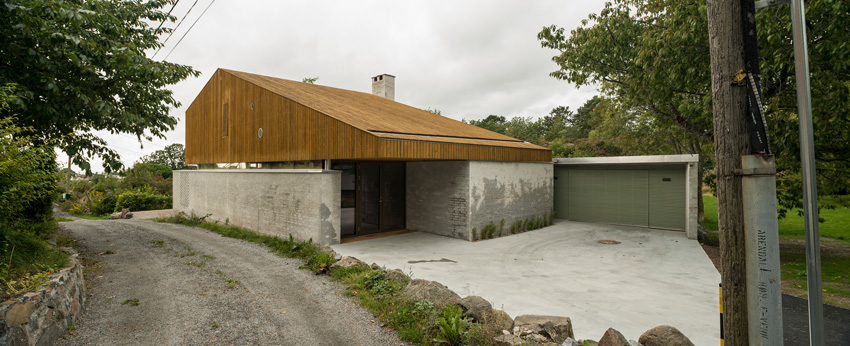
(131, 302)
(27, 188)
(835, 248)
(418, 322)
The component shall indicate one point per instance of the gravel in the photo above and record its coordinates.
(195, 287)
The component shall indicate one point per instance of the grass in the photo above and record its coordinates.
(131, 302)
(835, 248)
(27, 258)
(92, 217)
(418, 322)
(62, 219)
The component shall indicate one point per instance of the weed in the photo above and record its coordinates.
(196, 264)
(423, 308)
(208, 257)
(516, 227)
(489, 231)
(131, 302)
(501, 226)
(157, 243)
(233, 283)
(72, 328)
(319, 262)
(63, 219)
(475, 233)
(453, 328)
(214, 325)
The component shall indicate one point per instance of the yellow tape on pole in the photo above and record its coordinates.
(720, 287)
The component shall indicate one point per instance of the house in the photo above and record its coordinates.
(284, 157)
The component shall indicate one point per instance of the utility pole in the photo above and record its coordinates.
(731, 141)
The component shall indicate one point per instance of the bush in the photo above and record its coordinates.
(139, 200)
(148, 175)
(489, 231)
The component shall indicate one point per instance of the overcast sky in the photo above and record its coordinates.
(469, 59)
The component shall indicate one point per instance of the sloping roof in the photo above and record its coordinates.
(382, 117)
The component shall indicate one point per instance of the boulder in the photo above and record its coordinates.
(664, 335)
(123, 214)
(475, 307)
(397, 275)
(613, 338)
(347, 262)
(508, 340)
(436, 292)
(499, 320)
(570, 342)
(556, 328)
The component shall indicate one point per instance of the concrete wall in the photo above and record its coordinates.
(437, 198)
(451, 198)
(692, 195)
(510, 191)
(304, 203)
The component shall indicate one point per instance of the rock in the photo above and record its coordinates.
(499, 320)
(475, 307)
(397, 275)
(19, 314)
(664, 335)
(613, 338)
(375, 266)
(123, 214)
(570, 342)
(329, 250)
(436, 292)
(347, 262)
(556, 328)
(538, 339)
(508, 340)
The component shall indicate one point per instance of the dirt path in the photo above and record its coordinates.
(155, 283)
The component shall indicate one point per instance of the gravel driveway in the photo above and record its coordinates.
(155, 283)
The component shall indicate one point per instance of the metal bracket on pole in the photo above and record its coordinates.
(770, 3)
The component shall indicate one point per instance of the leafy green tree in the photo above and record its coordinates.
(28, 175)
(652, 56)
(80, 66)
(172, 156)
(495, 123)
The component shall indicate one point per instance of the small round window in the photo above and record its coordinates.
(260, 133)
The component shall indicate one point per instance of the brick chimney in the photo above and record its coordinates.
(384, 86)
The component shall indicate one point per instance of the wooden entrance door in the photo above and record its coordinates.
(380, 197)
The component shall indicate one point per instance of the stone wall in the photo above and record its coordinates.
(41, 317)
(509, 190)
(437, 198)
(277, 202)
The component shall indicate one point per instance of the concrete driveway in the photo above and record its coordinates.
(652, 277)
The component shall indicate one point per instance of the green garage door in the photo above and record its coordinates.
(651, 197)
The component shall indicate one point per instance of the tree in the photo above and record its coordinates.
(173, 156)
(80, 66)
(652, 56)
(495, 123)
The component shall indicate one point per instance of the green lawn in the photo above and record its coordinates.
(835, 248)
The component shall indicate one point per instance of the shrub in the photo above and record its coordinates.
(516, 227)
(501, 226)
(147, 175)
(139, 200)
(489, 231)
(453, 328)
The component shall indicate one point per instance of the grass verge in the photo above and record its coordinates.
(418, 322)
(835, 249)
(27, 259)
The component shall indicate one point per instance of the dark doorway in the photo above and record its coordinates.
(377, 190)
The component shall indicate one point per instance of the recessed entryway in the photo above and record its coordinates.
(372, 196)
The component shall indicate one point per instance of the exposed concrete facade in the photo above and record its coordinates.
(510, 191)
(304, 203)
(451, 198)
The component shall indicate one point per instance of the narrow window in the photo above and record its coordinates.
(224, 126)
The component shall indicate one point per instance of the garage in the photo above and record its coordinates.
(658, 191)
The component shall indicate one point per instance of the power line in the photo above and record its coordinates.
(167, 14)
(190, 29)
(175, 28)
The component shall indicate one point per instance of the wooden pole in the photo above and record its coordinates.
(731, 141)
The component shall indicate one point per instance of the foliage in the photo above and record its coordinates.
(173, 156)
(148, 174)
(652, 57)
(488, 231)
(310, 80)
(142, 199)
(453, 328)
(82, 66)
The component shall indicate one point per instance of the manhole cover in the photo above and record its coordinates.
(609, 242)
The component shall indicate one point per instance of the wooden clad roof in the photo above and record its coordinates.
(243, 117)
(370, 112)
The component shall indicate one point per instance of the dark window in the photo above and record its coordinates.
(224, 127)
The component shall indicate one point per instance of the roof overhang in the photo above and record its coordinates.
(667, 160)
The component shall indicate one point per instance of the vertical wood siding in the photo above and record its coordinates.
(293, 132)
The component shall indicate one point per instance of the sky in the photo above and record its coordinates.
(468, 59)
